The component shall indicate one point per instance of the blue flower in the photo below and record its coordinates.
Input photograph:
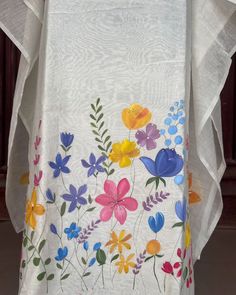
(72, 231)
(156, 223)
(97, 246)
(75, 197)
(66, 139)
(167, 163)
(53, 228)
(94, 165)
(61, 254)
(50, 196)
(86, 246)
(59, 165)
(92, 261)
(181, 209)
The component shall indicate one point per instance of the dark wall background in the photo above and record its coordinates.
(9, 60)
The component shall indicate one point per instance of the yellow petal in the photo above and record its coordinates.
(187, 235)
(132, 264)
(114, 237)
(130, 256)
(32, 221)
(120, 247)
(121, 235)
(39, 209)
(194, 198)
(113, 247)
(127, 238)
(126, 268)
(120, 268)
(126, 245)
(124, 162)
(34, 197)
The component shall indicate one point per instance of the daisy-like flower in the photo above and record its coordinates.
(72, 231)
(119, 241)
(32, 209)
(94, 165)
(75, 196)
(123, 152)
(147, 138)
(124, 264)
(59, 165)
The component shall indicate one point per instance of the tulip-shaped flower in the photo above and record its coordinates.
(167, 164)
(156, 223)
(167, 267)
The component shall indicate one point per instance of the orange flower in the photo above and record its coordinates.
(153, 247)
(32, 209)
(193, 196)
(24, 179)
(124, 264)
(136, 116)
(119, 242)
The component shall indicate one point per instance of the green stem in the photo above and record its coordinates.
(69, 262)
(154, 271)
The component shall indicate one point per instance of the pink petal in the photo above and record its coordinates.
(120, 214)
(122, 188)
(110, 188)
(104, 200)
(129, 203)
(106, 213)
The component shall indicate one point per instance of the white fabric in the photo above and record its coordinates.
(145, 51)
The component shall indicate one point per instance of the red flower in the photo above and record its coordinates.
(179, 273)
(179, 252)
(37, 142)
(37, 178)
(167, 267)
(177, 265)
(36, 159)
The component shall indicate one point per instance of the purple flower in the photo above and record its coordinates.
(72, 231)
(167, 163)
(148, 138)
(66, 139)
(53, 229)
(180, 209)
(62, 253)
(94, 165)
(59, 165)
(75, 197)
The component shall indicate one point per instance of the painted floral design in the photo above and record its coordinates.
(124, 264)
(75, 197)
(148, 138)
(119, 241)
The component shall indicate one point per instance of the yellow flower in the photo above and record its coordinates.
(153, 247)
(24, 179)
(118, 242)
(187, 235)
(32, 209)
(123, 152)
(124, 264)
(136, 116)
(193, 196)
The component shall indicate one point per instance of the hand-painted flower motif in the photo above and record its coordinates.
(59, 165)
(156, 223)
(36, 159)
(119, 241)
(124, 264)
(72, 231)
(75, 197)
(94, 165)
(193, 196)
(61, 254)
(50, 196)
(37, 142)
(167, 164)
(37, 178)
(24, 178)
(53, 229)
(66, 139)
(97, 246)
(181, 210)
(114, 200)
(92, 261)
(148, 138)
(187, 235)
(123, 152)
(153, 247)
(32, 209)
(86, 245)
(136, 116)
(167, 268)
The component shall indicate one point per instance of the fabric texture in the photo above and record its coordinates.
(115, 149)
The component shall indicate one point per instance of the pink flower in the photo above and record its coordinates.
(177, 265)
(36, 159)
(37, 142)
(167, 267)
(37, 178)
(114, 200)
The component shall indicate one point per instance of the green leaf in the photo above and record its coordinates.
(151, 180)
(157, 182)
(107, 138)
(47, 261)
(92, 117)
(41, 276)
(31, 235)
(36, 261)
(112, 171)
(65, 276)
(115, 257)
(104, 132)
(101, 125)
(83, 260)
(93, 107)
(30, 248)
(101, 148)
(99, 109)
(178, 224)
(50, 277)
(97, 102)
(95, 132)
(59, 266)
(90, 209)
(101, 257)
(163, 181)
(90, 200)
(108, 146)
(99, 118)
(98, 140)
(63, 208)
(86, 274)
(41, 245)
(148, 258)
(159, 255)
(25, 241)
(93, 125)
(185, 273)
(23, 264)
